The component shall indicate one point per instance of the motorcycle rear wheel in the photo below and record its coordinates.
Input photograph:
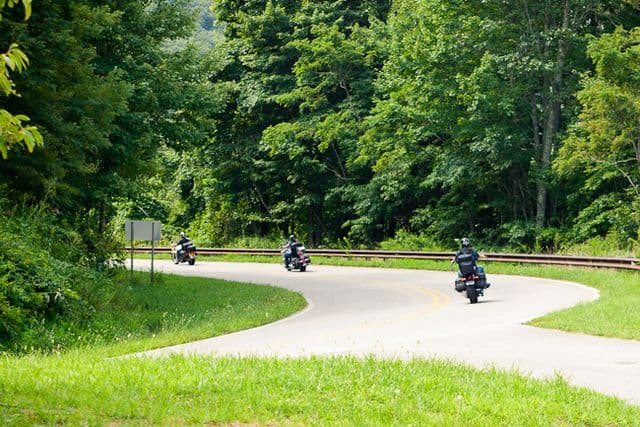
(472, 294)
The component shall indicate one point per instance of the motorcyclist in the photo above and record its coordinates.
(290, 250)
(183, 239)
(467, 249)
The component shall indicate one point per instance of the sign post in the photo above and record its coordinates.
(131, 248)
(153, 249)
(143, 230)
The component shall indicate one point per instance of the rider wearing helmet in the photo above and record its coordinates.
(467, 249)
(183, 238)
(290, 250)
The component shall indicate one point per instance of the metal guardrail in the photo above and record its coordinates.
(563, 260)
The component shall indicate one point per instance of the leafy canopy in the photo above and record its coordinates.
(13, 132)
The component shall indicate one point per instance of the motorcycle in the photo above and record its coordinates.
(299, 258)
(185, 252)
(471, 280)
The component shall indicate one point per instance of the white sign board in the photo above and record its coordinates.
(142, 230)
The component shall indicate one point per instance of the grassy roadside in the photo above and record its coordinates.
(83, 389)
(175, 309)
(615, 314)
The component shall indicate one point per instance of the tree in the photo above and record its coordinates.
(471, 106)
(12, 129)
(604, 143)
(102, 92)
(334, 74)
(298, 76)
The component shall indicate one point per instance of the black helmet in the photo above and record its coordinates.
(465, 242)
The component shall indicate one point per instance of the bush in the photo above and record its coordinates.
(612, 244)
(612, 214)
(520, 235)
(44, 279)
(274, 241)
(406, 241)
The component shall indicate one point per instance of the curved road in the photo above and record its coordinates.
(416, 313)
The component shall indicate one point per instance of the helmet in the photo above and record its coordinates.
(292, 237)
(465, 242)
(182, 234)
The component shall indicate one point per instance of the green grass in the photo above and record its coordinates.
(82, 389)
(176, 309)
(84, 386)
(614, 314)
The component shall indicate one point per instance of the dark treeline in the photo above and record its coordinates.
(512, 122)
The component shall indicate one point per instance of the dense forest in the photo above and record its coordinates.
(514, 123)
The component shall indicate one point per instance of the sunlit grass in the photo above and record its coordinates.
(85, 386)
(81, 388)
(137, 315)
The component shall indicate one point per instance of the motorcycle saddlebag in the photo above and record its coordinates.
(482, 280)
(466, 264)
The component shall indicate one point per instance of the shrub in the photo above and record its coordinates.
(44, 278)
(612, 244)
(407, 241)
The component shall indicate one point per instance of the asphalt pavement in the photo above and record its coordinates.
(393, 313)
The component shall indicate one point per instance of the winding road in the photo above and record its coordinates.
(416, 313)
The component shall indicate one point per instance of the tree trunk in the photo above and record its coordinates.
(552, 121)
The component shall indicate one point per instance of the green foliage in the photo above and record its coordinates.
(439, 118)
(55, 303)
(602, 150)
(12, 131)
(53, 298)
(613, 244)
(12, 3)
(106, 96)
(12, 60)
(208, 31)
(45, 279)
(405, 241)
(286, 121)
(469, 107)
(272, 241)
(336, 120)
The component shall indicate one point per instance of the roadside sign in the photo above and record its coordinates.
(143, 230)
